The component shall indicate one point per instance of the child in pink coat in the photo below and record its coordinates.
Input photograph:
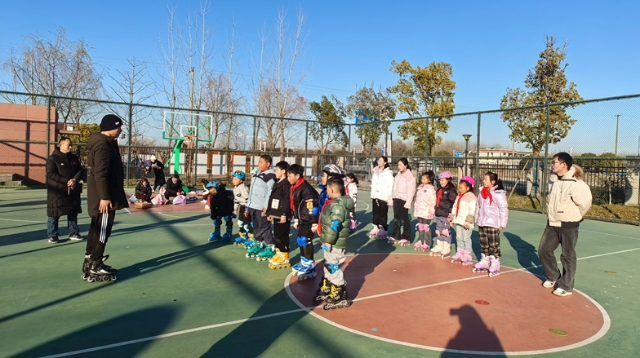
(425, 209)
(404, 188)
(462, 218)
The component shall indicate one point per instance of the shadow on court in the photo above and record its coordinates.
(474, 335)
(527, 254)
(151, 321)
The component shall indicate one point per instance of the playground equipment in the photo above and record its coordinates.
(188, 128)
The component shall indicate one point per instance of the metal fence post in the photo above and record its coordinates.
(195, 155)
(129, 144)
(253, 147)
(426, 145)
(48, 126)
(478, 175)
(544, 186)
(306, 144)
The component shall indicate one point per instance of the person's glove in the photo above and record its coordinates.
(295, 224)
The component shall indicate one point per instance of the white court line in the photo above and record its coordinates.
(25, 221)
(600, 334)
(127, 210)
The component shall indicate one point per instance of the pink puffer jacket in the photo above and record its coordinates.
(404, 187)
(492, 211)
(425, 206)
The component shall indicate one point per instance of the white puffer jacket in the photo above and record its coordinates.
(382, 184)
(467, 211)
(569, 197)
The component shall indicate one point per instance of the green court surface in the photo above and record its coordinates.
(179, 296)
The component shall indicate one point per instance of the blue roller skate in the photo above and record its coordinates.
(215, 235)
(240, 239)
(254, 250)
(228, 234)
(305, 269)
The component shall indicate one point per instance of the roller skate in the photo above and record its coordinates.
(382, 234)
(215, 235)
(373, 234)
(467, 258)
(353, 225)
(266, 253)
(418, 246)
(404, 242)
(305, 269)
(457, 258)
(228, 234)
(254, 250)
(337, 298)
(494, 269)
(279, 261)
(240, 239)
(446, 250)
(99, 272)
(437, 249)
(324, 291)
(483, 264)
(391, 240)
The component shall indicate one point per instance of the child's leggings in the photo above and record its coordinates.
(443, 229)
(424, 232)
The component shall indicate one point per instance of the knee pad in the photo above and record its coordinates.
(326, 248)
(332, 268)
(302, 241)
(438, 232)
(446, 233)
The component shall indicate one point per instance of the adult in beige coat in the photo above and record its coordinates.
(569, 200)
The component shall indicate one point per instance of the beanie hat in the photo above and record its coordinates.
(110, 122)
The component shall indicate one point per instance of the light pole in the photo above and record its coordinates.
(466, 153)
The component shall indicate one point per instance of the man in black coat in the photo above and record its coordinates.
(63, 190)
(105, 191)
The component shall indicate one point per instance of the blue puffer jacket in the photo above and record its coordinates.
(260, 189)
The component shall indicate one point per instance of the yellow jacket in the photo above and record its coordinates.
(569, 197)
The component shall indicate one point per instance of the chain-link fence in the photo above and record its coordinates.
(602, 135)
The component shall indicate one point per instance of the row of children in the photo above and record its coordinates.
(460, 209)
(283, 197)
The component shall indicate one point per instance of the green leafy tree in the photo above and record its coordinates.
(424, 92)
(329, 129)
(443, 153)
(377, 107)
(587, 163)
(545, 83)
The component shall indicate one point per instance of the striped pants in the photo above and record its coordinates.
(99, 233)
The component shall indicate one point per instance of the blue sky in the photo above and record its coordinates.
(491, 45)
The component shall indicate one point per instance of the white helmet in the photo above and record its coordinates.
(153, 157)
(334, 170)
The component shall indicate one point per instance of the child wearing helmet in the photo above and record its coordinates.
(329, 171)
(221, 206)
(445, 197)
(463, 217)
(241, 195)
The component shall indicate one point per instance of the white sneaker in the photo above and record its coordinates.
(548, 284)
(562, 293)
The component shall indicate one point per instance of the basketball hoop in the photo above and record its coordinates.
(190, 140)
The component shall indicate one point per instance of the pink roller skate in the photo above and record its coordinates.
(382, 234)
(457, 258)
(467, 258)
(482, 265)
(374, 232)
(494, 269)
(391, 240)
(404, 242)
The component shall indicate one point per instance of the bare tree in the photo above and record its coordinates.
(132, 86)
(58, 68)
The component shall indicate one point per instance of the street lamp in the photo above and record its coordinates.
(466, 153)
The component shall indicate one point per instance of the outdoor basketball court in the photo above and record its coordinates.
(178, 296)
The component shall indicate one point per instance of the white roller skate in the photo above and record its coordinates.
(494, 269)
(482, 265)
(437, 249)
(373, 234)
(446, 250)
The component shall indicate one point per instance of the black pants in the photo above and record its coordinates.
(304, 230)
(281, 234)
(380, 213)
(568, 238)
(261, 226)
(99, 233)
(144, 197)
(401, 217)
(245, 220)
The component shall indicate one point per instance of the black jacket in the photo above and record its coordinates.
(105, 174)
(173, 189)
(60, 169)
(306, 211)
(448, 197)
(221, 204)
(158, 172)
(279, 199)
(142, 190)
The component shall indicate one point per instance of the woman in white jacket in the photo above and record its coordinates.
(381, 186)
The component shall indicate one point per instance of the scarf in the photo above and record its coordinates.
(293, 188)
(458, 205)
(439, 197)
(487, 193)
